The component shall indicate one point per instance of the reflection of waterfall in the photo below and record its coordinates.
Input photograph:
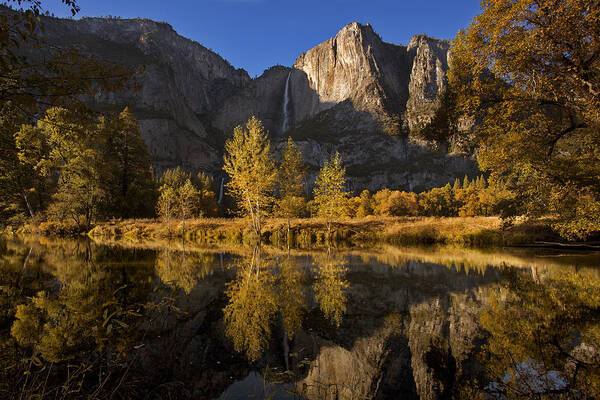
(221, 191)
(286, 100)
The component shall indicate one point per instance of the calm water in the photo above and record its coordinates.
(167, 320)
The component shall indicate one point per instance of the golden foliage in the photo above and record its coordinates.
(543, 335)
(251, 170)
(529, 73)
(253, 303)
(330, 195)
(330, 287)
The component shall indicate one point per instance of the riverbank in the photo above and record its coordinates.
(308, 233)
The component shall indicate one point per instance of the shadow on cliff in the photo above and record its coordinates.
(283, 99)
(376, 148)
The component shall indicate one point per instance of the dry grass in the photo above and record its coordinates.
(309, 233)
(548, 261)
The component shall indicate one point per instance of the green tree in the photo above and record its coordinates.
(291, 202)
(77, 153)
(132, 176)
(251, 169)
(30, 84)
(24, 179)
(529, 73)
(330, 194)
(102, 164)
(207, 196)
(180, 197)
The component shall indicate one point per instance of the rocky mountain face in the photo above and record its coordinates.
(427, 79)
(353, 93)
(362, 83)
(181, 83)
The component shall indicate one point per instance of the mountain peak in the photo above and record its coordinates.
(358, 31)
(339, 95)
(422, 38)
(356, 26)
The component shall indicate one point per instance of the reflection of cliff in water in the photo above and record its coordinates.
(345, 325)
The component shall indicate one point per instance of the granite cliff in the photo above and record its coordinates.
(353, 93)
(181, 82)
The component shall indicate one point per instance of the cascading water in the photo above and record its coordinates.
(286, 100)
(221, 191)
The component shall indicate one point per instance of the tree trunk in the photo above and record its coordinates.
(251, 210)
(27, 204)
(258, 227)
(288, 232)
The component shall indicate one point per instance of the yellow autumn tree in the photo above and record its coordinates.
(291, 201)
(330, 195)
(394, 202)
(251, 170)
(529, 73)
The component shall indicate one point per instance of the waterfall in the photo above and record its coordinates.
(221, 191)
(286, 100)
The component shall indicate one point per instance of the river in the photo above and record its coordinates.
(126, 320)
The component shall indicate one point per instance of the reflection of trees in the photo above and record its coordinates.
(81, 319)
(96, 306)
(256, 295)
(330, 287)
(544, 339)
(252, 306)
(292, 296)
(183, 269)
(20, 277)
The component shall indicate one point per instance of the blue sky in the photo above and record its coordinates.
(257, 34)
